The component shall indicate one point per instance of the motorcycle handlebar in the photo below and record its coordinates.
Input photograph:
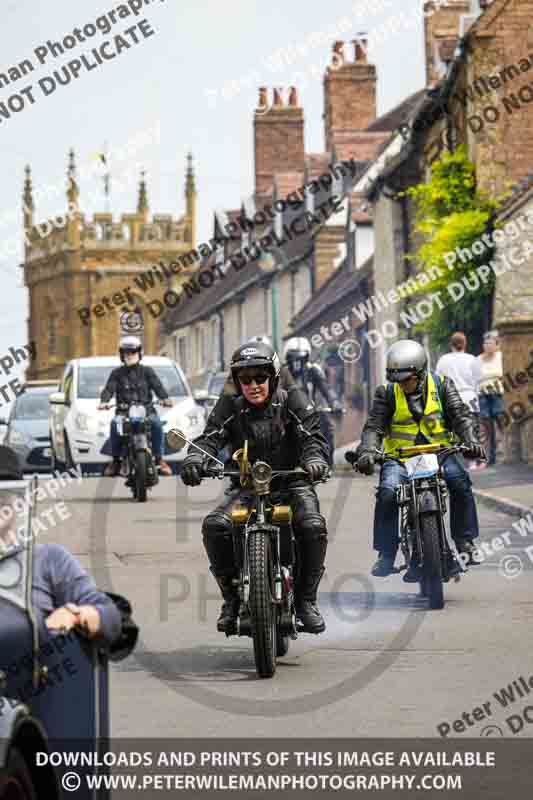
(217, 472)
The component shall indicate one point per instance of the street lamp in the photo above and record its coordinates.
(272, 261)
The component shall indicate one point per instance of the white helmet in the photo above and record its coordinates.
(130, 344)
(262, 339)
(298, 347)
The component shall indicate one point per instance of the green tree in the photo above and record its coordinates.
(451, 213)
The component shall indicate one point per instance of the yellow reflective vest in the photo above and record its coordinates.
(404, 428)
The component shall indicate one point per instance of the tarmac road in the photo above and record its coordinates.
(386, 666)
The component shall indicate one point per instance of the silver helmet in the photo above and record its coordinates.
(405, 358)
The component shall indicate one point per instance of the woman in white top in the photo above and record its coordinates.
(491, 390)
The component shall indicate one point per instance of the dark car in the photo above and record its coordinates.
(28, 428)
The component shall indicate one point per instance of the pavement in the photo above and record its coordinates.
(505, 487)
(386, 665)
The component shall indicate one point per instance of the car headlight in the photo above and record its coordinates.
(82, 421)
(16, 437)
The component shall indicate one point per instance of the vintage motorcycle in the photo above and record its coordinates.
(422, 506)
(138, 465)
(265, 553)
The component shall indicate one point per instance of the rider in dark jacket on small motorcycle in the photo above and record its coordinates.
(416, 407)
(283, 429)
(310, 378)
(135, 383)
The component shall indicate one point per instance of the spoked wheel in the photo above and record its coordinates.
(262, 613)
(432, 566)
(15, 780)
(141, 476)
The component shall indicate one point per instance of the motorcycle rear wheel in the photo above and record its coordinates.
(432, 562)
(141, 475)
(262, 613)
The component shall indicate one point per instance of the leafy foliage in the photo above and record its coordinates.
(451, 214)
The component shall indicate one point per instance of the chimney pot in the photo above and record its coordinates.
(263, 97)
(278, 101)
(360, 49)
(293, 97)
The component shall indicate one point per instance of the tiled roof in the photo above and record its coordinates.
(338, 286)
(394, 118)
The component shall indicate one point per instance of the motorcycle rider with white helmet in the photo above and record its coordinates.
(309, 377)
(134, 383)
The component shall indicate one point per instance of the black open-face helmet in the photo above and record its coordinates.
(256, 354)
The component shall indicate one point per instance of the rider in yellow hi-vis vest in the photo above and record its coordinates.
(404, 429)
(417, 407)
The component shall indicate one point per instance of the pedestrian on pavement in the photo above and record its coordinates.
(491, 391)
(464, 370)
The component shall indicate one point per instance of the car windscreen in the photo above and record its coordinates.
(171, 380)
(32, 406)
(216, 385)
(91, 381)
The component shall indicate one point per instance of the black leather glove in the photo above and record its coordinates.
(317, 470)
(191, 473)
(365, 463)
(475, 451)
(351, 457)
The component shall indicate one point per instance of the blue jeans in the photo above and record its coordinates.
(463, 513)
(117, 442)
(492, 410)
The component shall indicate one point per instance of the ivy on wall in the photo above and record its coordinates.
(450, 213)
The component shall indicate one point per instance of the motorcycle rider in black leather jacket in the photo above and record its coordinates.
(283, 429)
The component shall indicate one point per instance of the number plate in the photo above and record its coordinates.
(422, 466)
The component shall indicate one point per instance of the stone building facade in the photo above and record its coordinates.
(89, 264)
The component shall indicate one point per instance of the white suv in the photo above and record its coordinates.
(78, 430)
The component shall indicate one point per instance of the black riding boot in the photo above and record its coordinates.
(312, 554)
(230, 607)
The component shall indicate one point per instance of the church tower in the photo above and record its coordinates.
(77, 271)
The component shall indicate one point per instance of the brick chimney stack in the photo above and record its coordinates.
(349, 92)
(440, 28)
(278, 136)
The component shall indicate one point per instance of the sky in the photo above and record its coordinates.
(191, 85)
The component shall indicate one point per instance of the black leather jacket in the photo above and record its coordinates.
(458, 417)
(133, 385)
(312, 381)
(285, 433)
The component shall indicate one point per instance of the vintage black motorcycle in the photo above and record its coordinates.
(138, 465)
(422, 506)
(265, 553)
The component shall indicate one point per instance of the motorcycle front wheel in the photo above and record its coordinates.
(262, 611)
(141, 475)
(431, 584)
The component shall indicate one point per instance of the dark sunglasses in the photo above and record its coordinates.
(260, 377)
